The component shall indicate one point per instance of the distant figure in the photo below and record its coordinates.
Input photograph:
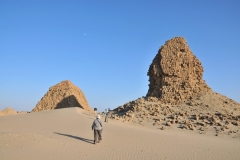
(97, 127)
(95, 111)
(106, 116)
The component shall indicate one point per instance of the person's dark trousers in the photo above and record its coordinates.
(106, 118)
(97, 135)
(100, 135)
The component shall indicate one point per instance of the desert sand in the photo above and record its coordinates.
(66, 134)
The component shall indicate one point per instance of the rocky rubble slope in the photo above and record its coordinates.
(208, 113)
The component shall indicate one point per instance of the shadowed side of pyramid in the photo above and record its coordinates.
(69, 101)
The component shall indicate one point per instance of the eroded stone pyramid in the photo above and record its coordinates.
(175, 74)
(7, 111)
(62, 95)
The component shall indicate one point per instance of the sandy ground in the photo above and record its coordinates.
(66, 134)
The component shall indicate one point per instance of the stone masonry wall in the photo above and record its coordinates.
(175, 74)
(62, 95)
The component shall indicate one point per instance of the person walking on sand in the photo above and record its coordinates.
(97, 127)
(106, 116)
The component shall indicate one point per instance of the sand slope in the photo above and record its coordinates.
(66, 134)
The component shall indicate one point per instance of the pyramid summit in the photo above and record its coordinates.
(62, 95)
(175, 74)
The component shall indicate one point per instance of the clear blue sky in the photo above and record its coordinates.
(105, 47)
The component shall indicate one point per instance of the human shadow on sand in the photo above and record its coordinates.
(79, 138)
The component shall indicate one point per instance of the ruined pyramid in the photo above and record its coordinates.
(63, 95)
(7, 111)
(178, 97)
(175, 74)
